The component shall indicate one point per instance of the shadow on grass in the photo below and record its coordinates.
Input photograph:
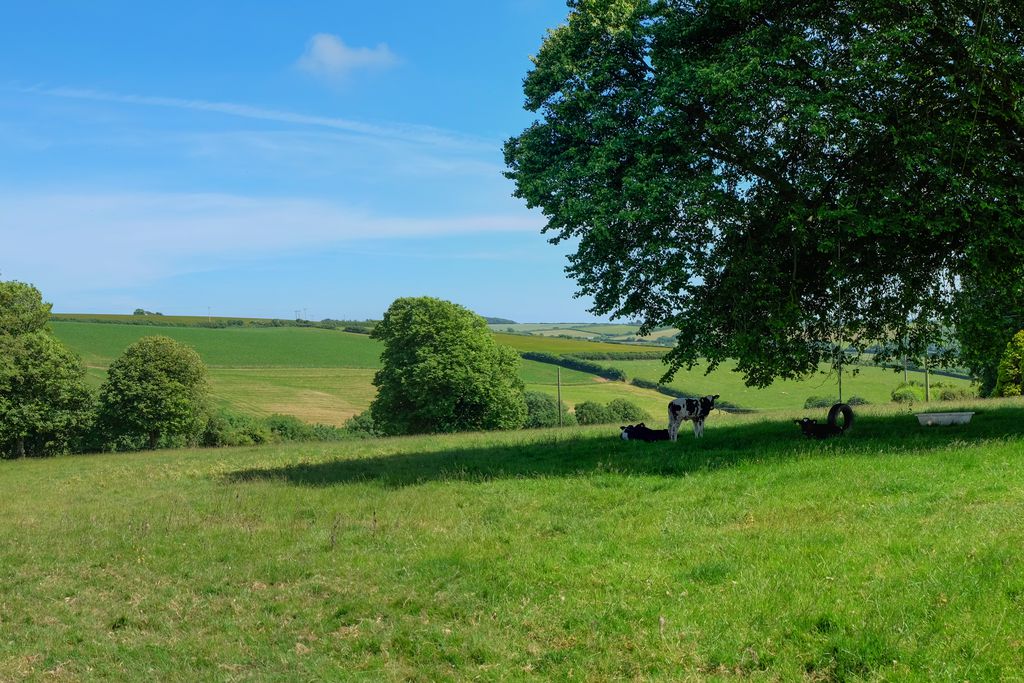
(565, 455)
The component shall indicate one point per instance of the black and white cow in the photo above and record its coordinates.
(694, 409)
(642, 432)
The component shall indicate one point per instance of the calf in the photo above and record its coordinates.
(642, 432)
(693, 409)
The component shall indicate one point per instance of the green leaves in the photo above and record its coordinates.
(442, 372)
(776, 179)
(156, 390)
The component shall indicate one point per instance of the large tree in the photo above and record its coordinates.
(441, 371)
(156, 390)
(44, 401)
(781, 179)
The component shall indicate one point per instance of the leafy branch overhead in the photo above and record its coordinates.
(776, 178)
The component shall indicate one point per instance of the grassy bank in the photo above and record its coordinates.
(893, 552)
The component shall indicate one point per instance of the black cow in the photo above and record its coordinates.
(642, 432)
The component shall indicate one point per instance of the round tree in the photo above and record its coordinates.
(22, 309)
(44, 401)
(156, 390)
(443, 372)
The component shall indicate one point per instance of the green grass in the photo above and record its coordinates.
(891, 553)
(872, 383)
(561, 346)
(99, 344)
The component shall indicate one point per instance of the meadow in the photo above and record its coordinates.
(890, 553)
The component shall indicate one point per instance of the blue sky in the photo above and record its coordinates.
(262, 157)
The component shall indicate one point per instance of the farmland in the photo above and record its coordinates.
(324, 375)
(870, 382)
(318, 375)
(891, 553)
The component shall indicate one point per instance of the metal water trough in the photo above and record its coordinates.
(932, 419)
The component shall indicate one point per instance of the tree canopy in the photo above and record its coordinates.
(22, 309)
(45, 404)
(441, 371)
(781, 179)
(44, 401)
(155, 390)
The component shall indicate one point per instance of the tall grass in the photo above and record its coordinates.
(890, 553)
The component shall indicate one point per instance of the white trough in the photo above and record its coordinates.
(932, 419)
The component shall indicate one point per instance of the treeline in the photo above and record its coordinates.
(158, 320)
(575, 363)
(156, 394)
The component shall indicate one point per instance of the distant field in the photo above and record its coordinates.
(892, 553)
(561, 346)
(872, 383)
(316, 375)
(230, 347)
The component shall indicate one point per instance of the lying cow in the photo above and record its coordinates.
(693, 409)
(642, 432)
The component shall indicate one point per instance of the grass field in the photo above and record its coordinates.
(891, 553)
(872, 383)
(324, 376)
(99, 344)
(316, 375)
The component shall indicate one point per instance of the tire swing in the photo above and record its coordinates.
(810, 427)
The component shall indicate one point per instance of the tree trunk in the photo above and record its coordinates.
(152, 440)
(19, 447)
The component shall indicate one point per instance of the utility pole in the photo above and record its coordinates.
(558, 375)
(927, 383)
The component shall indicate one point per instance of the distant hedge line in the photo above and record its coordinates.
(344, 325)
(575, 363)
(619, 355)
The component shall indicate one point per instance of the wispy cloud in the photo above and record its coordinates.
(113, 240)
(424, 135)
(328, 57)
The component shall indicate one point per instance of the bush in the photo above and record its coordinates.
(290, 428)
(224, 428)
(1010, 375)
(907, 392)
(957, 394)
(626, 412)
(361, 425)
(542, 411)
(820, 401)
(857, 401)
(593, 413)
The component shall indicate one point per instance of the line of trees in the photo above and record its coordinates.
(155, 393)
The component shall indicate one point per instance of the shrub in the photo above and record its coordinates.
(224, 428)
(542, 411)
(957, 394)
(820, 401)
(626, 412)
(907, 392)
(857, 401)
(1010, 375)
(593, 413)
(290, 428)
(361, 425)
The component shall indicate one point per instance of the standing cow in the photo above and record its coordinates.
(693, 409)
